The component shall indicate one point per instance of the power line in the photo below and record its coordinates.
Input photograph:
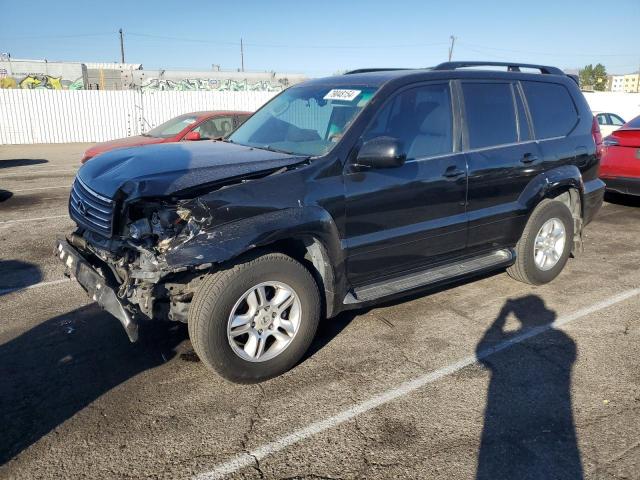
(556, 54)
(283, 45)
(78, 35)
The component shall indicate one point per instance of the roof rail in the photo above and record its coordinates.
(369, 70)
(511, 66)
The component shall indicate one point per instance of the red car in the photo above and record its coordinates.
(190, 126)
(620, 164)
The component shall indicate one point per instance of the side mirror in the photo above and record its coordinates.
(193, 135)
(381, 152)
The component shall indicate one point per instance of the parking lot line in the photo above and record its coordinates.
(40, 188)
(22, 220)
(250, 458)
(4, 291)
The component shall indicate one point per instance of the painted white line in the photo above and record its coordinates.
(244, 460)
(21, 220)
(35, 285)
(40, 188)
(26, 173)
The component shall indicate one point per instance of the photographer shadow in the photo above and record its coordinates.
(529, 430)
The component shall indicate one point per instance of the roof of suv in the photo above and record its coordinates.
(376, 77)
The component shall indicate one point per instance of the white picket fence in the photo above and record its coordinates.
(62, 116)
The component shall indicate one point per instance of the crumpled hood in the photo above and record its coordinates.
(168, 168)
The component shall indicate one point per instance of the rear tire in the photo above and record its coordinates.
(251, 289)
(541, 253)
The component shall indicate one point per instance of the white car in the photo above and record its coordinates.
(609, 122)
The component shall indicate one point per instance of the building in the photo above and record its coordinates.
(109, 76)
(616, 83)
(211, 80)
(632, 83)
(42, 74)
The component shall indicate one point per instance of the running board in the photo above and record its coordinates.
(488, 261)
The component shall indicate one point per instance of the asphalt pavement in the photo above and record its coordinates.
(484, 379)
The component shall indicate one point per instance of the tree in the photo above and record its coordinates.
(595, 77)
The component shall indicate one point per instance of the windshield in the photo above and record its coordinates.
(305, 120)
(172, 127)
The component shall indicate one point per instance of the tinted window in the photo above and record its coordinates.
(552, 110)
(490, 114)
(602, 119)
(420, 118)
(523, 123)
(305, 120)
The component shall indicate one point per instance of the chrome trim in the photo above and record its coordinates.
(93, 192)
(91, 209)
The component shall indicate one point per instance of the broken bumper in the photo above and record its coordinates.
(95, 285)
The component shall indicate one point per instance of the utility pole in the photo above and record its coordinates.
(121, 47)
(453, 41)
(241, 55)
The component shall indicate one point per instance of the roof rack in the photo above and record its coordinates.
(511, 66)
(369, 70)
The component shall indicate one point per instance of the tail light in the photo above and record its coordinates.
(597, 137)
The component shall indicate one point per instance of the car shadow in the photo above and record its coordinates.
(5, 195)
(59, 367)
(624, 200)
(16, 275)
(21, 162)
(529, 429)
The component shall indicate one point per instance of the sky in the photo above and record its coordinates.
(321, 38)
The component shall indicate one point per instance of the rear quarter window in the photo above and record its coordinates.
(552, 110)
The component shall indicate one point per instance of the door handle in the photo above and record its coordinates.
(453, 172)
(528, 158)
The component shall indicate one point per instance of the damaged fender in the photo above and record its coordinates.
(311, 224)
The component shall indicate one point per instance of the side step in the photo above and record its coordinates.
(488, 261)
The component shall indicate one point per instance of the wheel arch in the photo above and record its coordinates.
(564, 184)
(307, 234)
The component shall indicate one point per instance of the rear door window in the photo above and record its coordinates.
(490, 114)
(552, 109)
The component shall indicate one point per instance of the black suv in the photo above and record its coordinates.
(338, 192)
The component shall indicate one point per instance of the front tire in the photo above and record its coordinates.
(255, 319)
(545, 245)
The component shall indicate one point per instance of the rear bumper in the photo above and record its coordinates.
(624, 185)
(592, 199)
(95, 285)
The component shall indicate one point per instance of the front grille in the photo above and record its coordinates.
(90, 209)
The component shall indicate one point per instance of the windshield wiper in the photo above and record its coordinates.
(271, 149)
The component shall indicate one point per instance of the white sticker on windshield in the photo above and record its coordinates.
(342, 94)
(189, 121)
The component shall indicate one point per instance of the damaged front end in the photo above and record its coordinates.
(145, 217)
(123, 252)
(127, 274)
